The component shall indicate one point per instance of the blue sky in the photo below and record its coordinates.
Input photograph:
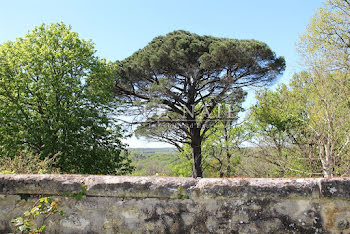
(119, 28)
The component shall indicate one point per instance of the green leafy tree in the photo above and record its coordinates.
(53, 98)
(180, 78)
(305, 129)
(222, 146)
(308, 124)
(327, 108)
(326, 42)
(326, 49)
(223, 149)
(279, 123)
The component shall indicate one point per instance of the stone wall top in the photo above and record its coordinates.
(173, 187)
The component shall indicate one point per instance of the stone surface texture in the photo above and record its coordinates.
(121, 204)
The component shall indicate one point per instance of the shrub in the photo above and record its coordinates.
(28, 164)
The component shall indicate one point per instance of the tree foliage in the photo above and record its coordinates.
(326, 49)
(327, 37)
(180, 78)
(223, 145)
(305, 128)
(279, 123)
(307, 123)
(51, 101)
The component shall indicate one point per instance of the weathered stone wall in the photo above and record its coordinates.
(114, 204)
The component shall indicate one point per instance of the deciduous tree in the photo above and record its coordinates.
(49, 102)
(327, 38)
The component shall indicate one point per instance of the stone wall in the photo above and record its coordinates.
(117, 204)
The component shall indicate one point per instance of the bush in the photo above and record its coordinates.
(28, 164)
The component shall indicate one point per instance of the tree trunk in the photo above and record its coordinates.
(228, 167)
(196, 143)
(325, 161)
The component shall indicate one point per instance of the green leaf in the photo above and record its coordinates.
(18, 221)
(23, 228)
